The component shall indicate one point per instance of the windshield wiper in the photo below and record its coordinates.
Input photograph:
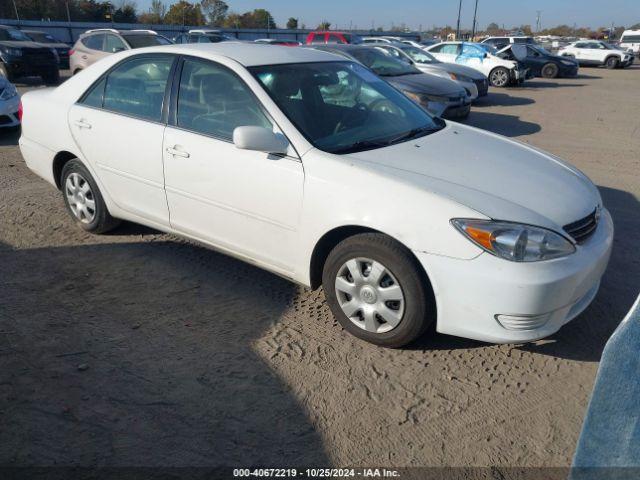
(360, 146)
(412, 134)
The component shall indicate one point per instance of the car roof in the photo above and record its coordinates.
(248, 54)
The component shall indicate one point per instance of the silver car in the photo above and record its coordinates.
(474, 82)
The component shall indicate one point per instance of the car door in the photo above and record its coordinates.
(245, 202)
(446, 52)
(582, 52)
(118, 126)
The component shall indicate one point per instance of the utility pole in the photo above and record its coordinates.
(458, 24)
(473, 29)
(15, 7)
(68, 14)
(539, 13)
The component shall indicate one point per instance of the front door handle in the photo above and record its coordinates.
(82, 124)
(177, 153)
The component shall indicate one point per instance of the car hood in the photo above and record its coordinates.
(495, 176)
(13, 44)
(425, 83)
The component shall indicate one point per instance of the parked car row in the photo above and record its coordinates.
(306, 163)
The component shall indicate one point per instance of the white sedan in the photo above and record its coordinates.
(310, 166)
(9, 104)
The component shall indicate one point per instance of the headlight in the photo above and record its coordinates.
(416, 97)
(8, 92)
(567, 62)
(12, 52)
(460, 78)
(514, 241)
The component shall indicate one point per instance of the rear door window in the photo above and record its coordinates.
(113, 44)
(137, 87)
(93, 42)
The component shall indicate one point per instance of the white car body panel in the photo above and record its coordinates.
(485, 65)
(275, 215)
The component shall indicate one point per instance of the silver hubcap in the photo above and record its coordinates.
(499, 78)
(369, 295)
(80, 198)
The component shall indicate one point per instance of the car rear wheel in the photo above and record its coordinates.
(611, 63)
(376, 291)
(83, 199)
(499, 77)
(550, 70)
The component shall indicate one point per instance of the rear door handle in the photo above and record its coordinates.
(177, 153)
(82, 124)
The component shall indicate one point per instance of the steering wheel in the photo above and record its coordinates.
(358, 110)
(384, 105)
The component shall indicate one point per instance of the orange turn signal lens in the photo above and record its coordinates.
(479, 236)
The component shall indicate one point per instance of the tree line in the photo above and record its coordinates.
(184, 12)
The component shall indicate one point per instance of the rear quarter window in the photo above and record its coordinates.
(93, 42)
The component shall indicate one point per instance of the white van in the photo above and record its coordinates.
(631, 40)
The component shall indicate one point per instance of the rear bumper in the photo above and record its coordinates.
(494, 300)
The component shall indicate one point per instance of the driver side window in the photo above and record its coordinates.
(213, 101)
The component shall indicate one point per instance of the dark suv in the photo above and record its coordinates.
(48, 40)
(22, 57)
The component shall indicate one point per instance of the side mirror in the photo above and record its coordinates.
(260, 139)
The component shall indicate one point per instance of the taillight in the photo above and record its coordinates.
(71, 52)
(20, 111)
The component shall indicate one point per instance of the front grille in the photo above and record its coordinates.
(582, 229)
(38, 55)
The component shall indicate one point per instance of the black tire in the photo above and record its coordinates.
(612, 62)
(499, 77)
(6, 73)
(102, 221)
(419, 305)
(51, 78)
(550, 70)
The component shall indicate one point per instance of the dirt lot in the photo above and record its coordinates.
(138, 348)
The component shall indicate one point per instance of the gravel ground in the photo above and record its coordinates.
(139, 348)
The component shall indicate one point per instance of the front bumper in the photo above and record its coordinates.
(21, 68)
(536, 299)
(9, 112)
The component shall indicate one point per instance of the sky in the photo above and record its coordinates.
(361, 13)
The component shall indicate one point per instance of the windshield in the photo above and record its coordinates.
(418, 55)
(381, 62)
(540, 49)
(341, 107)
(13, 34)
(42, 37)
(140, 41)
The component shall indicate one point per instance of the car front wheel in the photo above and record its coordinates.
(83, 199)
(499, 77)
(550, 70)
(611, 63)
(376, 290)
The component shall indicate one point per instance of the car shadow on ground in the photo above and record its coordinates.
(507, 125)
(151, 364)
(584, 338)
(495, 99)
(9, 136)
(537, 84)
